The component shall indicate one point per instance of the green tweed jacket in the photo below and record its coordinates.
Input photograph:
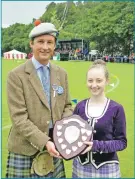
(29, 110)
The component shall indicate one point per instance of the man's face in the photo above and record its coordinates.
(43, 48)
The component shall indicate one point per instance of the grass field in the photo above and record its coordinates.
(123, 93)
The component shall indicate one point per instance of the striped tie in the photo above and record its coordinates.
(46, 82)
(45, 77)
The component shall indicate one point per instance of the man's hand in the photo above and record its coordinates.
(90, 144)
(51, 149)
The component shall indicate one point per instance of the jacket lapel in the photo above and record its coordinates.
(35, 81)
(55, 79)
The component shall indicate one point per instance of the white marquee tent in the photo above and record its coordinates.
(14, 54)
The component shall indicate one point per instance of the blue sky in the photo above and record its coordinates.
(22, 11)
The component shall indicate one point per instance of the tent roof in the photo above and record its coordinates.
(14, 52)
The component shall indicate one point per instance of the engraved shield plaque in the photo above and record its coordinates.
(69, 135)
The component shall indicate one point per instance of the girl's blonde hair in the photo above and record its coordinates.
(100, 64)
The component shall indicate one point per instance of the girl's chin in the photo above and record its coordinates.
(95, 93)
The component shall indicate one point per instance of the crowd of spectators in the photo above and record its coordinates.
(116, 58)
(78, 54)
(73, 54)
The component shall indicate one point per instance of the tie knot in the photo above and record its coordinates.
(44, 69)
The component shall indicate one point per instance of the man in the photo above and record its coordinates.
(38, 95)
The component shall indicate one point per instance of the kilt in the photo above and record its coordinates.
(89, 171)
(19, 166)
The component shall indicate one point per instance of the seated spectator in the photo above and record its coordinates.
(71, 55)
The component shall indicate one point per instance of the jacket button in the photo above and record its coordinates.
(94, 131)
(94, 161)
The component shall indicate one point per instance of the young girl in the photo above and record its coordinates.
(107, 117)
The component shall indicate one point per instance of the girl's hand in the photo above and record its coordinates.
(90, 144)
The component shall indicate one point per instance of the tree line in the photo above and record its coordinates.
(107, 25)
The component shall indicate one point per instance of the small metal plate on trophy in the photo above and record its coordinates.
(69, 135)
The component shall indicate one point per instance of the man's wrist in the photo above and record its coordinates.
(44, 147)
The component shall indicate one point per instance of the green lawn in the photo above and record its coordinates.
(123, 93)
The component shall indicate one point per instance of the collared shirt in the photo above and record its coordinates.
(38, 68)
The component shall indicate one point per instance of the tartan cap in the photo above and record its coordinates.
(44, 28)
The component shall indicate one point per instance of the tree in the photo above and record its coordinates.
(108, 25)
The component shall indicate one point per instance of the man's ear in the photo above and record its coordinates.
(31, 43)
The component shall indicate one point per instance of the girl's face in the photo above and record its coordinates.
(96, 81)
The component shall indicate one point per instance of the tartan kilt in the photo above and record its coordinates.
(19, 166)
(111, 170)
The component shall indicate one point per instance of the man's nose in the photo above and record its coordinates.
(45, 45)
